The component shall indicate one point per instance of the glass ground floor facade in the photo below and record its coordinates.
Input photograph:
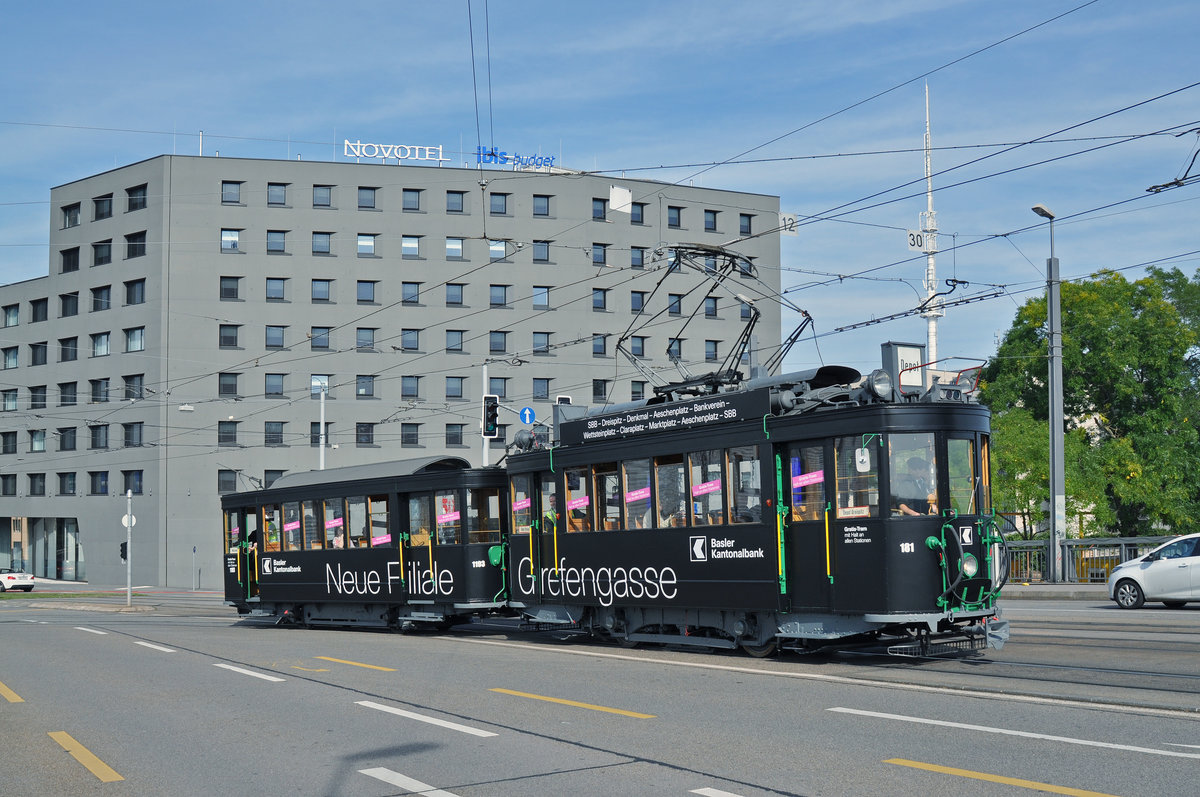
(45, 547)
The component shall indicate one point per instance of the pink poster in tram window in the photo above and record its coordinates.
(637, 495)
(706, 488)
(523, 503)
(291, 525)
(805, 479)
(381, 540)
(449, 517)
(333, 524)
(579, 503)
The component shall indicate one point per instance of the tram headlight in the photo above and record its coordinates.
(969, 565)
(880, 382)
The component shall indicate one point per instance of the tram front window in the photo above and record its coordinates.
(857, 475)
(745, 485)
(912, 469)
(807, 472)
(961, 470)
(449, 519)
(418, 521)
(522, 504)
(548, 501)
(483, 515)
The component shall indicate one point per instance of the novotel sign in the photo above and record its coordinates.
(357, 149)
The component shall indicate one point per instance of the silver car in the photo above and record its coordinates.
(15, 579)
(1170, 573)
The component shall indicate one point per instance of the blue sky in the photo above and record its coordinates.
(827, 99)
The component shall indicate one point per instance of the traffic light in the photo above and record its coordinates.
(124, 551)
(491, 417)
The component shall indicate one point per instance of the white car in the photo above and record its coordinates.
(1170, 573)
(15, 579)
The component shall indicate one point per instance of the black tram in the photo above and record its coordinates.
(388, 544)
(798, 512)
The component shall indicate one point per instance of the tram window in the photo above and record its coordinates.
(636, 473)
(419, 521)
(670, 491)
(607, 492)
(291, 527)
(745, 485)
(483, 514)
(313, 539)
(857, 490)
(251, 528)
(708, 504)
(272, 524)
(807, 471)
(335, 523)
(449, 520)
(985, 470)
(233, 531)
(960, 466)
(356, 521)
(380, 530)
(522, 504)
(548, 501)
(578, 499)
(912, 473)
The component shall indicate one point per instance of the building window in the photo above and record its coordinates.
(10, 357)
(600, 391)
(321, 242)
(497, 342)
(37, 484)
(276, 241)
(599, 345)
(136, 197)
(135, 292)
(637, 391)
(66, 438)
(273, 385)
(227, 384)
(410, 292)
(454, 340)
(745, 224)
(273, 433)
(37, 353)
(599, 254)
(364, 338)
(710, 350)
(39, 310)
(100, 344)
(498, 386)
(135, 386)
(226, 480)
(99, 436)
(271, 476)
(747, 311)
(66, 484)
(276, 194)
(11, 315)
(541, 297)
(135, 339)
(637, 213)
(322, 196)
(67, 394)
(135, 245)
(710, 306)
(498, 295)
(637, 301)
(69, 259)
(637, 345)
(98, 482)
(9, 398)
(454, 386)
(275, 337)
(322, 290)
(319, 337)
(675, 303)
(132, 434)
(497, 250)
(410, 434)
(102, 207)
(410, 246)
(229, 240)
(541, 251)
(101, 254)
(541, 342)
(454, 248)
(454, 294)
(455, 201)
(8, 442)
(8, 484)
(410, 387)
(364, 386)
(131, 482)
(541, 205)
(101, 298)
(99, 389)
(366, 197)
(366, 291)
(231, 192)
(675, 349)
(364, 434)
(366, 245)
(68, 350)
(674, 216)
(710, 221)
(541, 389)
(227, 433)
(599, 299)
(599, 209)
(275, 288)
(37, 397)
(454, 434)
(37, 440)
(227, 336)
(410, 339)
(230, 287)
(499, 204)
(411, 199)
(637, 257)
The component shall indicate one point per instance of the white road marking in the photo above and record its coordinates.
(249, 672)
(405, 782)
(454, 726)
(1010, 732)
(153, 646)
(91, 630)
(1193, 746)
(714, 793)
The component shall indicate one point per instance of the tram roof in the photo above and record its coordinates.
(373, 470)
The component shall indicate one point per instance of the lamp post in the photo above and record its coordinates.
(1058, 498)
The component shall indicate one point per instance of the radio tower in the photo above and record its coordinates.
(928, 220)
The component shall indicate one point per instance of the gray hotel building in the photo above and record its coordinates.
(201, 315)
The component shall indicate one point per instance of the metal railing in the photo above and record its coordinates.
(1086, 561)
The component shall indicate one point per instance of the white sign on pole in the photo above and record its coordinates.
(788, 224)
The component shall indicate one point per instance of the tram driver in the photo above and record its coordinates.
(913, 493)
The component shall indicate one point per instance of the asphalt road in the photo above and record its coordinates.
(183, 697)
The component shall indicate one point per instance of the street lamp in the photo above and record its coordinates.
(1058, 498)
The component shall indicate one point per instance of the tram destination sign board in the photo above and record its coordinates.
(676, 416)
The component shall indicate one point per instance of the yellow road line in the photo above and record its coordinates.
(576, 703)
(101, 770)
(1024, 784)
(10, 695)
(355, 664)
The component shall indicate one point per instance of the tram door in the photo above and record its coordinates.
(809, 551)
(241, 539)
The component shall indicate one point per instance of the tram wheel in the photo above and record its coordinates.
(761, 651)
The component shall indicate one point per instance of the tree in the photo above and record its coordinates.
(1129, 397)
